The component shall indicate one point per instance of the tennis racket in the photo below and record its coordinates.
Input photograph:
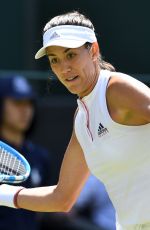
(14, 168)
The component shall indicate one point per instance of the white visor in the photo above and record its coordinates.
(70, 36)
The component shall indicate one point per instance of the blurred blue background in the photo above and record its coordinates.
(122, 29)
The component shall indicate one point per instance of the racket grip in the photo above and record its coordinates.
(8, 195)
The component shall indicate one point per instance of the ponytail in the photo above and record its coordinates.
(106, 65)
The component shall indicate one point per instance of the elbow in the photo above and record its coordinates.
(67, 210)
(59, 203)
(64, 201)
(67, 205)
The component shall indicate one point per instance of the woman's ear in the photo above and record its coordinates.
(95, 51)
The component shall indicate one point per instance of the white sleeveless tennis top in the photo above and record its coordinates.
(118, 155)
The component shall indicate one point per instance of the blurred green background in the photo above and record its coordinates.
(122, 27)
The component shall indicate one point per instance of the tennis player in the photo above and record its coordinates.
(111, 129)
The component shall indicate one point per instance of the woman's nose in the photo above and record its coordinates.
(65, 67)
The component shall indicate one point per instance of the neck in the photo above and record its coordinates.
(92, 85)
(13, 136)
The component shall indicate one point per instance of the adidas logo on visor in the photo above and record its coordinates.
(54, 35)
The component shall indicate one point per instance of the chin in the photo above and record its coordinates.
(23, 127)
(74, 91)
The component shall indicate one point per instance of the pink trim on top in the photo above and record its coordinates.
(87, 115)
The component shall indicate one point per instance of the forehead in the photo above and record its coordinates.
(10, 100)
(54, 50)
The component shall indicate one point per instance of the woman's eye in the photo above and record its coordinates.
(70, 55)
(53, 61)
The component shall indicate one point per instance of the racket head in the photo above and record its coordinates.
(7, 173)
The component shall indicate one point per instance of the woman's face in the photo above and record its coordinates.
(74, 67)
(17, 114)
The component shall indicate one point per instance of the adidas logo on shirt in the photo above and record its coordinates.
(102, 130)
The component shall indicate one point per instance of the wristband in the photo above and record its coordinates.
(9, 194)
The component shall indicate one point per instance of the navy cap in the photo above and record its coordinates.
(16, 87)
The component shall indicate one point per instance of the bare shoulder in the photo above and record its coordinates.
(122, 84)
(130, 98)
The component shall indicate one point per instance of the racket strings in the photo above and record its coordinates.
(10, 164)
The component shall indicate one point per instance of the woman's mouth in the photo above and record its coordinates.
(71, 78)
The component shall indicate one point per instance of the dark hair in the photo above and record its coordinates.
(70, 18)
(76, 18)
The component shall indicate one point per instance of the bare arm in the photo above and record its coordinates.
(73, 174)
(128, 101)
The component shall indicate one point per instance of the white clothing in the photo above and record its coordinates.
(117, 154)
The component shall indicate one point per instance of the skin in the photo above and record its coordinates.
(16, 119)
(76, 63)
(66, 63)
(133, 109)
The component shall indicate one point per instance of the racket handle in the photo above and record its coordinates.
(8, 195)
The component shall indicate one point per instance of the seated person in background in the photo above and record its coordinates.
(17, 116)
(95, 206)
(92, 211)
